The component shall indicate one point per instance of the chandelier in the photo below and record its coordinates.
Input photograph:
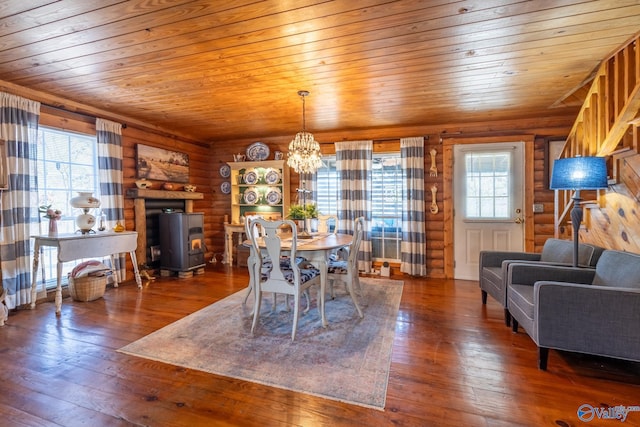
(304, 150)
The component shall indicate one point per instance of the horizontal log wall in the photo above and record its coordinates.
(199, 175)
(199, 165)
(205, 163)
(389, 140)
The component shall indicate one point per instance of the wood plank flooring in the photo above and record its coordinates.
(454, 363)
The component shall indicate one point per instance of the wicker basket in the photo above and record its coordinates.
(87, 288)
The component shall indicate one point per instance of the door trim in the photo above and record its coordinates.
(447, 184)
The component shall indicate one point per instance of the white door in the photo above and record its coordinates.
(488, 184)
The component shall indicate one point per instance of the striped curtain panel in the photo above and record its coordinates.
(19, 129)
(413, 247)
(354, 164)
(109, 136)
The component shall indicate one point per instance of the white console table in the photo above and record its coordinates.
(76, 246)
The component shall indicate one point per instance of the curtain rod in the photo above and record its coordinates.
(426, 137)
(90, 116)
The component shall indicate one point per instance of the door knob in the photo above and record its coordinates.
(519, 220)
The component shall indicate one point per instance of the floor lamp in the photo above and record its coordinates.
(578, 173)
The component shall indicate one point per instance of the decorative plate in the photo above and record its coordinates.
(258, 151)
(251, 196)
(251, 177)
(273, 196)
(225, 171)
(225, 187)
(272, 176)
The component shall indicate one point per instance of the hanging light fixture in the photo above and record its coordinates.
(304, 150)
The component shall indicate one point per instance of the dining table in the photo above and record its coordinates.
(315, 248)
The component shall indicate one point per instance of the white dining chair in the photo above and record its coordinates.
(324, 223)
(257, 270)
(251, 228)
(346, 271)
(292, 281)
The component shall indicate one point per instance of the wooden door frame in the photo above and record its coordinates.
(447, 202)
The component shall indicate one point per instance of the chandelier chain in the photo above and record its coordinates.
(304, 150)
(304, 115)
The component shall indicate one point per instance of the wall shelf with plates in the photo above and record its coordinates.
(259, 188)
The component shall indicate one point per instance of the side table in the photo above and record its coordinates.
(229, 229)
(73, 246)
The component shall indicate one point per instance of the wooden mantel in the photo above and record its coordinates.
(139, 195)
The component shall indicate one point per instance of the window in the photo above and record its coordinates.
(488, 185)
(327, 187)
(386, 221)
(66, 164)
(387, 185)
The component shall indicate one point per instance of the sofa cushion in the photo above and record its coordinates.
(561, 252)
(493, 273)
(619, 269)
(521, 296)
(521, 308)
(556, 250)
(493, 279)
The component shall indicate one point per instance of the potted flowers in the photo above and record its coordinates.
(312, 211)
(303, 214)
(297, 212)
(53, 215)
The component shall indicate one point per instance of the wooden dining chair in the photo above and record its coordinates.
(346, 271)
(293, 280)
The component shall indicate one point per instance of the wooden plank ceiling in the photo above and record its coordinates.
(220, 70)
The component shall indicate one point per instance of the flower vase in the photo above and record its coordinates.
(53, 227)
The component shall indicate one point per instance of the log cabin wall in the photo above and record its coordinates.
(199, 163)
(388, 139)
(205, 161)
(199, 174)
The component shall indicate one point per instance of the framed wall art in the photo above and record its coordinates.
(160, 164)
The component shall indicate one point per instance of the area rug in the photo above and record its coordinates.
(347, 361)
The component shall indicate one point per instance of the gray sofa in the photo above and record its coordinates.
(584, 310)
(494, 264)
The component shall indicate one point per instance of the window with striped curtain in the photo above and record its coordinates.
(66, 164)
(386, 224)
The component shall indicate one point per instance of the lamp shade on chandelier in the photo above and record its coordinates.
(304, 151)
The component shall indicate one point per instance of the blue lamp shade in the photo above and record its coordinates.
(579, 173)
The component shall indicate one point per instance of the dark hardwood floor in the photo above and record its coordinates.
(454, 363)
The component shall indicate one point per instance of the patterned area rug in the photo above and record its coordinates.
(348, 361)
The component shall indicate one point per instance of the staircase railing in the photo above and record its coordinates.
(608, 120)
